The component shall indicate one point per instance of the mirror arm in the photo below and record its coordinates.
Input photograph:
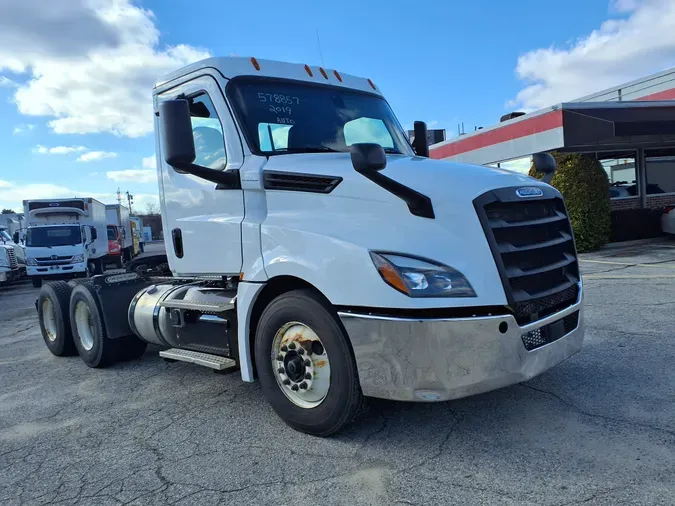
(418, 203)
(226, 179)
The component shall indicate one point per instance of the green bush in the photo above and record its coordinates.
(584, 185)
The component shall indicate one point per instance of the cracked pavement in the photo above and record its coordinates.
(598, 429)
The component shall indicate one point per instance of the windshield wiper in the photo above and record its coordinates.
(308, 149)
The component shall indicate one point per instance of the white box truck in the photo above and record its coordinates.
(311, 245)
(65, 238)
(118, 217)
(138, 231)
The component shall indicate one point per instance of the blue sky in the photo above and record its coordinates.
(456, 62)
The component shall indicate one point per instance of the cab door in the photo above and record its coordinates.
(202, 220)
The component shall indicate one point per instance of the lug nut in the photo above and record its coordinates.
(291, 346)
(284, 348)
(303, 385)
(308, 376)
(280, 357)
(281, 370)
(301, 351)
(308, 362)
(286, 382)
(294, 388)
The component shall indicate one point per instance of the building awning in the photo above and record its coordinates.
(606, 124)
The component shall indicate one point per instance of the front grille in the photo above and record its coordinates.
(59, 260)
(551, 332)
(11, 256)
(532, 243)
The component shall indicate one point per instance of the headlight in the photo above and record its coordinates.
(421, 278)
(77, 259)
(31, 261)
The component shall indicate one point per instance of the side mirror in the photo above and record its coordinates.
(15, 237)
(176, 131)
(368, 157)
(545, 163)
(94, 234)
(420, 144)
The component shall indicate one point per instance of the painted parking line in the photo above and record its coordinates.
(632, 264)
(628, 276)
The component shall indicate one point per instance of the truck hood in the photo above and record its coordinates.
(18, 250)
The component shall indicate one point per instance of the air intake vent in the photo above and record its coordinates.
(11, 255)
(289, 181)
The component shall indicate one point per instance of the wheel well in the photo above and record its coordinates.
(273, 288)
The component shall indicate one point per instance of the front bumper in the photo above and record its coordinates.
(58, 271)
(427, 360)
(7, 276)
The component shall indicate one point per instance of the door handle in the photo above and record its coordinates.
(177, 237)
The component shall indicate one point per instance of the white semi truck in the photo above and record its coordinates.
(12, 256)
(118, 217)
(66, 238)
(313, 247)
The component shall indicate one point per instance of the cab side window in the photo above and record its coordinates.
(207, 132)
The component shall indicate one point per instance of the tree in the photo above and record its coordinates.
(151, 208)
(584, 185)
(7, 211)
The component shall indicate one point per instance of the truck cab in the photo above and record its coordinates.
(114, 245)
(12, 258)
(328, 258)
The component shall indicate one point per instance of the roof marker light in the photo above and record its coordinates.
(339, 77)
(309, 71)
(372, 85)
(255, 63)
(323, 72)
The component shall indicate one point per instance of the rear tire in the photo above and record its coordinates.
(343, 401)
(89, 333)
(54, 318)
(37, 282)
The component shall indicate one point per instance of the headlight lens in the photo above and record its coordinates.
(421, 278)
(77, 259)
(31, 261)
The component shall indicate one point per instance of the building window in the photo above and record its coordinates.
(521, 165)
(620, 169)
(660, 165)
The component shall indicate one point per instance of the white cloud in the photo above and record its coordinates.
(14, 193)
(92, 156)
(6, 82)
(92, 63)
(150, 162)
(24, 127)
(133, 175)
(58, 150)
(620, 50)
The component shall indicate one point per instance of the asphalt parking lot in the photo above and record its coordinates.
(598, 429)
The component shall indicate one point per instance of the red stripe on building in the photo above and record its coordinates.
(661, 95)
(530, 126)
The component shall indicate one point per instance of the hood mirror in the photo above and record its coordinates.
(368, 157)
(544, 163)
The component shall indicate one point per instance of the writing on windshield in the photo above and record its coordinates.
(53, 236)
(281, 116)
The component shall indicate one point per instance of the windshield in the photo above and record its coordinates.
(112, 235)
(281, 116)
(54, 236)
(5, 236)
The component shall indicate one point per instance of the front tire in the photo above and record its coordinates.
(54, 318)
(305, 364)
(89, 333)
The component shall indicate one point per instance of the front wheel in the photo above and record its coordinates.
(306, 366)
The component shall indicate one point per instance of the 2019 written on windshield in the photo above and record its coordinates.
(278, 103)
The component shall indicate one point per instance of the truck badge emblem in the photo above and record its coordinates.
(530, 191)
(54, 204)
(54, 257)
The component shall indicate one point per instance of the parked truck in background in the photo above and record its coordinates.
(115, 242)
(12, 256)
(313, 247)
(118, 215)
(65, 238)
(138, 232)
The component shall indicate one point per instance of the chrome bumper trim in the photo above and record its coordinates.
(423, 359)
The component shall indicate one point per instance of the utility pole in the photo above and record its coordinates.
(130, 199)
(119, 196)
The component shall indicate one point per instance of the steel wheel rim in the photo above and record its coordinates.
(49, 319)
(85, 327)
(304, 385)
